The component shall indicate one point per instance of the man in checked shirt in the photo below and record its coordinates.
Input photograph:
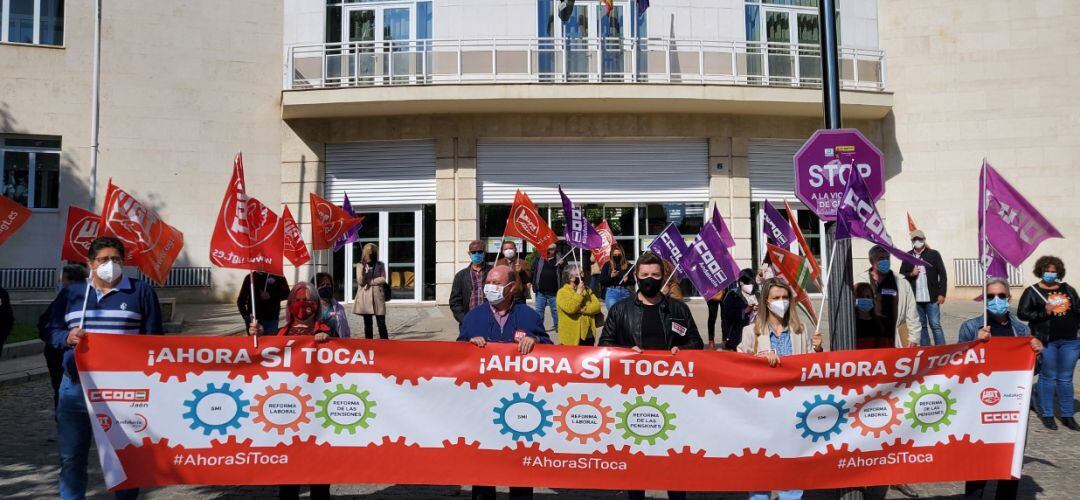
(467, 291)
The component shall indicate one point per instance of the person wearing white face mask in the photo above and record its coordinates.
(502, 320)
(930, 285)
(112, 304)
(509, 257)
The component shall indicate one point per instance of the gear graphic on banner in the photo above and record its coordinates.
(522, 417)
(216, 409)
(583, 419)
(345, 409)
(645, 420)
(878, 414)
(821, 418)
(281, 409)
(929, 408)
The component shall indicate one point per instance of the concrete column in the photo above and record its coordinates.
(740, 223)
(455, 209)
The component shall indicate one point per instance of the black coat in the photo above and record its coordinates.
(461, 290)
(1032, 308)
(623, 325)
(733, 317)
(937, 279)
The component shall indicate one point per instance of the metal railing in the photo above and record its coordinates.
(183, 277)
(969, 272)
(28, 278)
(574, 60)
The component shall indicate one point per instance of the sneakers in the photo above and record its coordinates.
(1070, 422)
(1049, 423)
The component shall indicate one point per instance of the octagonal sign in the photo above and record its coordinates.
(823, 163)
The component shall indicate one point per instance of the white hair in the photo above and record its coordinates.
(571, 270)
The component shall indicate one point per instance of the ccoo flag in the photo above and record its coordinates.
(12, 216)
(1013, 228)
(525, 222)
(857, 216)
(777, 230)
(295, 249)
(328, 222)
(578, 231)
(149, 243)
(81, 229)
(708, 264)
(721, 227)
(247, 234)
(670, 245)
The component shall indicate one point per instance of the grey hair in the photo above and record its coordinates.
(999, 281)
(571, 270)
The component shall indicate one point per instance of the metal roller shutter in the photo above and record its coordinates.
(381, 173)
(594, 171)
(772, 173)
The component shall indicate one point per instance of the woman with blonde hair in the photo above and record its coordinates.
(370, 293)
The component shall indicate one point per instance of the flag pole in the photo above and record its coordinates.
(824, 286)
(982, 234)
(668, 280)
(85, 300)
(251, 278)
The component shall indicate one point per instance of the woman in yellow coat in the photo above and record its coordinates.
(578, 308)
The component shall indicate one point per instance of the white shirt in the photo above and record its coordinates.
(922, 288)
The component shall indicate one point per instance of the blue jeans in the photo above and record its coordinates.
(615, 294)
(269, 326)
(1058, 363)
(547, 301)
(930, 312)
(74, 437)
(784, 495)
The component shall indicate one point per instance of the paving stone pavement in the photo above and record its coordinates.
(29, 460)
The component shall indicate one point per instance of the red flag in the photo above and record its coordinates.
(911, 224)
(525, 222)
(81, 229)
(796, 272)
(328, 222)
(149, 243)
(815, 269)
(247, 234)
(12, 216)
(603, 254)
(295, 248)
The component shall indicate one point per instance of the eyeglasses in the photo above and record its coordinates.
(997, 296)
(476, 252)
(102, 260)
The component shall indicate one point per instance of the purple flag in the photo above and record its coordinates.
(721, 227)
(1012, 227)
(708, 263)
(857, 216)
(669, 245)
(776, 227)
(578, 231)
(642, 6)
(353, 234)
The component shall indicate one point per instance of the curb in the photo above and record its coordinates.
(16, 378)
(21, 349)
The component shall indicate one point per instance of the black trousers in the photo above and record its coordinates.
(640, 495)
(381, 321)
(488, 492)
(291, 491)
(1006, 490)
(54, 360)
(714, 307)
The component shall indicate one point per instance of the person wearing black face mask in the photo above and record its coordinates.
(615, 277)
(331, 311)
(651, 321)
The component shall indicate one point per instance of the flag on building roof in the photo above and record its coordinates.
(608, 6)
(566, 9)
(642, 6)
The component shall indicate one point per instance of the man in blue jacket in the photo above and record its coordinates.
(503, 319)
(114, 304)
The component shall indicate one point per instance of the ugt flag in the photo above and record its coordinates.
(12, 216)
(247, 234)
(578, 231)
(81, 229)
(777, 230)
(670, 245)
(708, 264)
(721, 227)
(857, 216)
(603, 254)
(525, 222)
(353, 234)
(328, 222)
(1013, 227)
(295, 248)
(149, 243)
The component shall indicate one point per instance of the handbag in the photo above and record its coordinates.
(386, 292)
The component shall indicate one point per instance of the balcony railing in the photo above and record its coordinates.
(575, 60)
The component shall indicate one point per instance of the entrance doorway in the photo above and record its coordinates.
(398, 234)
(594, 38)
(379, 38)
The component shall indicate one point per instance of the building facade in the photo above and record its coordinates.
(429, 114)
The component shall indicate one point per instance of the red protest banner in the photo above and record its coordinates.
(149, 242)
(81, 229)
(216, 410)
(525, 222)
(295, 248)
(247, 234)
(329, 222)
(12, 216)
(603, 254)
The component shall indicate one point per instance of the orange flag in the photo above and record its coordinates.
(81, 229)
(911, 224)
(328, 222)
(525, 222)
(150, 243)
(12, 216)
(295, 248)
(815, 270)
(796, 272)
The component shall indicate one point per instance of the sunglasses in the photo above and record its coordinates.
(476, 252)
(997, 296)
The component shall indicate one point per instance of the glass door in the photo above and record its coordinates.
(577, 31)
(398, 234)
(379, 38)
(792, 38)
(360, 32)
(613, 50)
(780, 65)
(594, 40)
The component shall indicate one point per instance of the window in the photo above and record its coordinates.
(30, 170)
(396, 21)
(39, 22)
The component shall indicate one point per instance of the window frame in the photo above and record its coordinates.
(5, 17)
(31, 181)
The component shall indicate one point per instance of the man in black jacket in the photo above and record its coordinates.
(467, 291)
(270, 292)
(929, 285)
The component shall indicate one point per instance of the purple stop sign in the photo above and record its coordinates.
(824, 162)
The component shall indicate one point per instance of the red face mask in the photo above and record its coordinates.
(303, 309)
